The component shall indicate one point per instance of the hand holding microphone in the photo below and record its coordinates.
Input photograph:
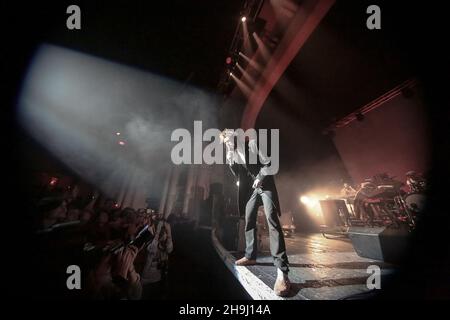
(256, 184)
(225, 137)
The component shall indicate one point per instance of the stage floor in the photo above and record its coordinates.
(321, 269)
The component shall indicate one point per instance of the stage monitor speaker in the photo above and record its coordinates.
(334, 212)
(380, 243)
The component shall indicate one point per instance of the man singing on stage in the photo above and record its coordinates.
(257, 185)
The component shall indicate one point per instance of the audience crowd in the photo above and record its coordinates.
(112, 267)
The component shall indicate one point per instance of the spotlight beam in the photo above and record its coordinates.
(88, 113)
(246, 36)
(241, 85)
(246, 76)
(251, 62)
(262, 48)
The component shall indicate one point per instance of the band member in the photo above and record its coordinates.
(364, 199)
(256, 187)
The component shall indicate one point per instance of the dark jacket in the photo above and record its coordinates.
(247, 173)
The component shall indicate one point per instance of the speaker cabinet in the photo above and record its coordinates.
(380, 243)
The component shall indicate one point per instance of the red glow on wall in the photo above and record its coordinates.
(392, 138)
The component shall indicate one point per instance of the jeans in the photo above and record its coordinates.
(277, 245)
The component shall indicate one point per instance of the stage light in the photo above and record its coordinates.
(122, 143)
(117, 133)
(312, 204)
(310, 201)
(243, 19)
(231, 73)
(305, 200)
(237, 183)
(228, 60)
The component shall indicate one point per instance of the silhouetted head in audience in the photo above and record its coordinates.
(116, 216)
(73, 213)
(132, 217)
(108, 205)
(156, 216)
(86, 216)
(52, 210)
(103, 217)
(127, 211)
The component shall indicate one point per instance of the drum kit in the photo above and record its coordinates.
(380, 201)
(415, 200)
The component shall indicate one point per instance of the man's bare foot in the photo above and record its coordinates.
(282, 286)
(245, 262)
